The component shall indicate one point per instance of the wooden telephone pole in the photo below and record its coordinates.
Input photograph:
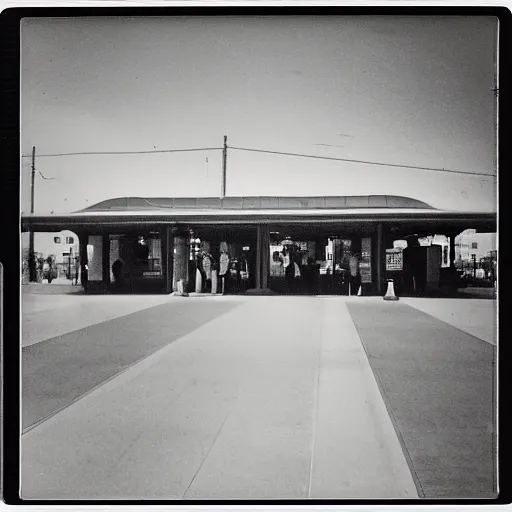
(224, 161)
(31, 255)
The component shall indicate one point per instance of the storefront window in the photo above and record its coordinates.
(365, 265)
(154, 257)
(140, 255)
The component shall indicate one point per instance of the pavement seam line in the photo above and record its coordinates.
(317, 394)
(207, 453)
(111, 378)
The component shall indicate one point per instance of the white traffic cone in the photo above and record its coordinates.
(390, 293)
(199, 281)
(214, 281)
(360, 291)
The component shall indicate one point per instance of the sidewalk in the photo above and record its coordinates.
(48, 316)
(261, 398)
(266, 401)
(473, 316)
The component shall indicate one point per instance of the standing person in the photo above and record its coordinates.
(117, 272)
(77, 269)
(224, 271)
(314, 275)
(294, 274)
(308, 276)
(276, 267)
(355, 278)
(207, 268)
(85, 275)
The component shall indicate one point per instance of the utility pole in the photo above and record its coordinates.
(224, 160)
(31, 255)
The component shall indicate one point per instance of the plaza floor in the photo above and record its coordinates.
(160, 397)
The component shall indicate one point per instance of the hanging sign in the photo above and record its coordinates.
(394, 259)
(365, 266)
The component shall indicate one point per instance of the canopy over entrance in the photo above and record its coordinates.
(400, 213)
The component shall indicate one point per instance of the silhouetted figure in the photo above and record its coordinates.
(117, 272)
(84, 275)
(313, 276)
(77, 270)
(294, 274)
(355, 276)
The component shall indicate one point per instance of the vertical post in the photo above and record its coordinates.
(168, 258)
(380, 257)
(83, 239)
(224, 161)
(452, 250)
(181, 257)
(265, 256)
(31, 259)
(70, 257)
(105, 251)
(262, 256)
(258, 257)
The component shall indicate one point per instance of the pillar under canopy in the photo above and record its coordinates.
(180, 260)
(83, 239)
(381, 258)
(262, 256)
(452, 249)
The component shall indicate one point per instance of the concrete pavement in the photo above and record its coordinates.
(273, 399)
(259, 398)
(48, 316)
(59, 370)
(477, 317)
(438, 383)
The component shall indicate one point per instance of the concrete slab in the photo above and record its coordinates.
(438, 384)
(48, 316)
(356, 453)
(264, 449)
(229, 410)
(60, 370)
(474, 316)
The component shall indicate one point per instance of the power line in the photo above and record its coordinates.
(44, 177)
(123, 152)
(300, 155)
(360, 161)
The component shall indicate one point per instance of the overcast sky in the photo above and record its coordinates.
(411, 90)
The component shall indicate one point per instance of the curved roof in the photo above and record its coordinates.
(126, 204)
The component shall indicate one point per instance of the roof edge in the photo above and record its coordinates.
(130, 203)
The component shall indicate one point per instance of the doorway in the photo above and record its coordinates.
(308, 265)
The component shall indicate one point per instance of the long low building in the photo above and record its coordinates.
(156, 239)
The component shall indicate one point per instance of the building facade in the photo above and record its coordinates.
(250, 242)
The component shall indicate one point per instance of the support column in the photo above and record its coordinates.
(95, 258)
(181, 256)
(167, 258)
(452, 249)
(106, 259)
(83, 238)
(262, 256)
(381, 263)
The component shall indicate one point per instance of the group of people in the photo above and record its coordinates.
(305, 279)
(299, 278)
